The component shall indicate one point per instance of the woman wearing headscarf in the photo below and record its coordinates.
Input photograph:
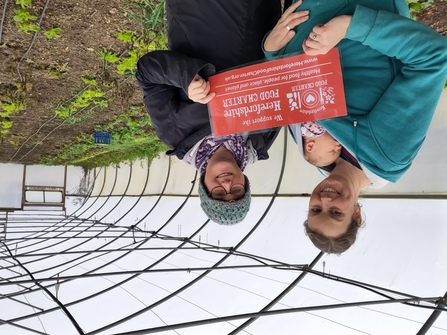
(205, 37)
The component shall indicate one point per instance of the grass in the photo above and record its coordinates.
(147, 147)
(132, 138)
(150, 14)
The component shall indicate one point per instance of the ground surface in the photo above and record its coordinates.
(37, 78)
(51, 73)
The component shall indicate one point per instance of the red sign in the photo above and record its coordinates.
(277, 93)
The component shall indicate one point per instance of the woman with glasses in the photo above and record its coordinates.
(205, 37)
(394, 70)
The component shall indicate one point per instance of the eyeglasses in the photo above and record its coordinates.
(219, 192)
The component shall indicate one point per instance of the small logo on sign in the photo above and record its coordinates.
(294, 100)
(311, 98)
(327, 93)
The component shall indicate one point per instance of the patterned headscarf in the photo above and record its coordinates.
(312, 129)
(233, 143)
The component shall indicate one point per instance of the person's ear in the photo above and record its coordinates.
(310, 145)
(358, 215)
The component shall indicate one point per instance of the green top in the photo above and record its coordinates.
(394, 71)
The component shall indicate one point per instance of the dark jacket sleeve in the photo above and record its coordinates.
(170, 68)
(263, 141)
(164, 77)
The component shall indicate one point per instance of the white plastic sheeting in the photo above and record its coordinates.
(406, 254)
(11, 179)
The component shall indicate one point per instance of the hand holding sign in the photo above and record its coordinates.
(276, 93)
(199, 90)
(283, 32)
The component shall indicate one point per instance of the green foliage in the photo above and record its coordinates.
(126, 36)
(6, 124)
(83, 100)
(412, 3)
(89, 81)
(4, 127)
(63, 112)
(416, 6)
(57, 70)
(24, 3)
(55, 74)
(53, 33)
(101, 102)
(427, 4)
(91, 94)
(150, 14)
(16, 140)
(132, 138)
(127, 64)
(22, 15)
(27, 27)
(149, 148)
(80, 118)
(108, 56)
(86, 98)
(11, 107)
(109, 83)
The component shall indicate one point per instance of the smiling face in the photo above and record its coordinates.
(322, 150)
(332, 206)
(222, 170)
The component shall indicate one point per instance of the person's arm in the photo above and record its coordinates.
(164, 77)
(401, 117)
(171, 69)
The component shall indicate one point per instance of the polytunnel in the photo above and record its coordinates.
(127, 250)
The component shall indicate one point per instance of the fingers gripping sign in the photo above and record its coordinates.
(199, 90)
(283, 32)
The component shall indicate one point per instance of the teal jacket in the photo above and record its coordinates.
(394, 71)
